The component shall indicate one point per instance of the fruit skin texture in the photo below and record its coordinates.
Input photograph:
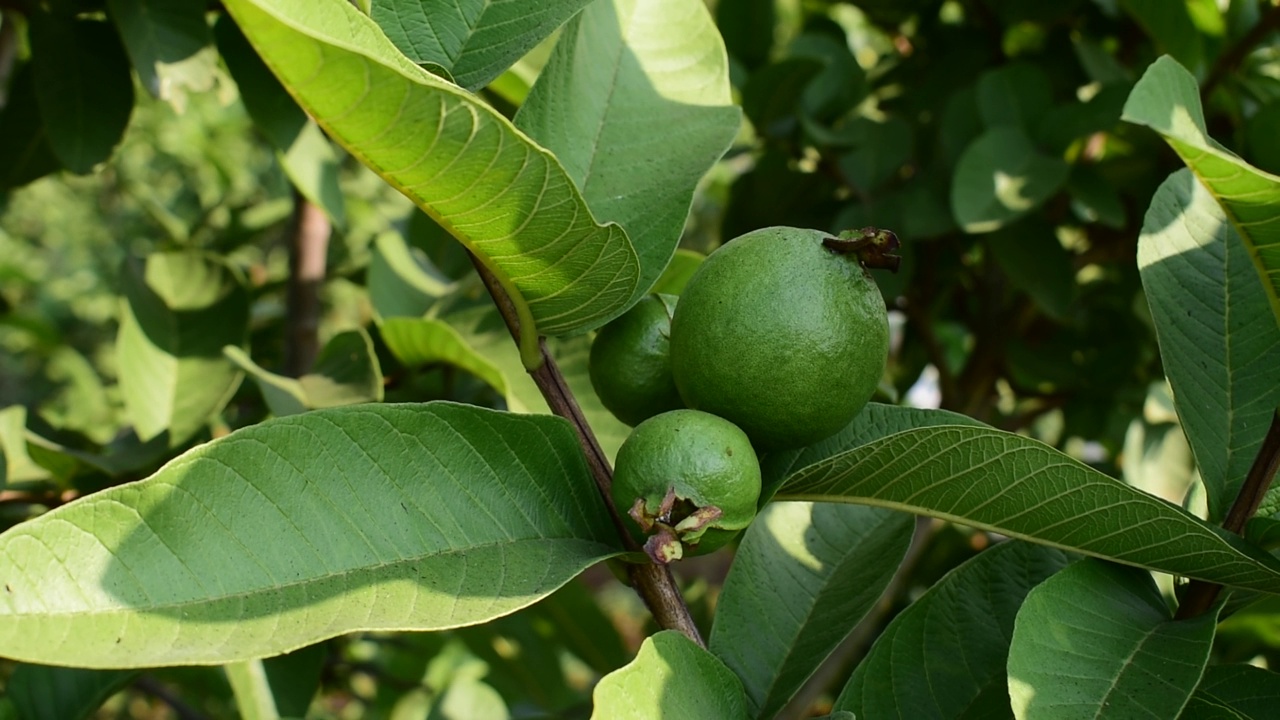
(630, 362)
(708, 462)
(780, 335)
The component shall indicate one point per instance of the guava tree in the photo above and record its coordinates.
(398, 521)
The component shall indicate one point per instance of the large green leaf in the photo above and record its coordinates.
(414, 517)
(635, 102)
(82, 85)
(179, 310)
(301, 148)
(164, 39)
(475, 40)
(43, 691)
(873, 422)
(504, 197)
(673, 679)
(803, 577)
(1022, 488)
(1108, 629)
(1234, 691)
(1220, 348)
(1167, 100)
(477, 341)
(922, 668)
(1000, 177)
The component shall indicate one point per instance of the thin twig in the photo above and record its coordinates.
(308, 248)
(655, 584)
(8, 51)
(148, 685)
(1200, 595)
(1227, 61)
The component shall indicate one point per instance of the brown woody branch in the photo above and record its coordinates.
(308, 248)
(654, 583)
(1200, 595)
(1231, 59)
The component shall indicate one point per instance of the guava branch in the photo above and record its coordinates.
(1200, 596)
(654, 583)
(1229, 60)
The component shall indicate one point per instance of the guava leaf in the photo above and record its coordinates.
(635, 102)
(44, 691)
(1235, 691)
(920, 667)
(1167, 100)
(402, 281)
(345, 373)
(873, 422)
(503, 196)
(673, 679)
(179, 310)
(1108, 629)
(83, 87)
(164, 39)
(1219, 344)
(376, 517)
(474, 40)
(1017, 94)
(1022, 488)
(477, 341)
(25, 153)
(1000, 177)
(684, 263)
(803, 577)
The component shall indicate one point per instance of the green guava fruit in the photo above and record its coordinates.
(630, 362)
(783, 332)
(686, 482)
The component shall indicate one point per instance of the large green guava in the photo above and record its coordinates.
(782, 335)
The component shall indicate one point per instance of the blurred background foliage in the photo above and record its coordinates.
(985, 133)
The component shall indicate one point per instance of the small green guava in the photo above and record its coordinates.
(630, 362)
(783, 332)
(686, 483)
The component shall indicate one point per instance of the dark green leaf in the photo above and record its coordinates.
(1017, 95)
(1019, 487)
(475, 40)
(43, 692)
(161, 36)
(1034, 260)
(1001, 177)
(771, 99)
(1097, 640)
(1220, 346)
(944, 656)
(25, 154)
(803, 577)
(1249, 692)
(83, 87)
(635, 102)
